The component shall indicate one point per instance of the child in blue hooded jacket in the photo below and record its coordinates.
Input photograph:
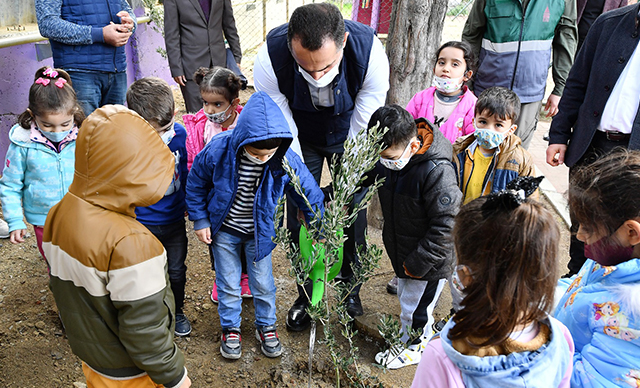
(600, 305)
(232, 193)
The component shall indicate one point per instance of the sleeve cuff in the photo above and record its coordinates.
(96, 35)
(201, 224)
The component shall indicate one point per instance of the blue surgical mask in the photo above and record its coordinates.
(488, 138)
(55, 137)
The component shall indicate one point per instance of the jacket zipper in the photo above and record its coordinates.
(115, 67)
(515, 67)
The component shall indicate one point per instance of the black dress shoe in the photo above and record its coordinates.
(354, 306)
(298, 319)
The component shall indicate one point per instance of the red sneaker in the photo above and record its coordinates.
(244, 285)
(214, 293)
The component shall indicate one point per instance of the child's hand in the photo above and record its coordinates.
(204, 235)
(17, 236)
(186, 383)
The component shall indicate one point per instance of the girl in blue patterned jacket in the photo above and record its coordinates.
(40, 160)
(600, 305)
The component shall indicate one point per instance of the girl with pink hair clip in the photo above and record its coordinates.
(39, 164)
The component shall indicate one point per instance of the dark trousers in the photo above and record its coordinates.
(174, 239)
(314, 158)
(599, 147)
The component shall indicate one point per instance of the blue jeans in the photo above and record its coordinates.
(226, 249)
(95, 88)
(174, 239)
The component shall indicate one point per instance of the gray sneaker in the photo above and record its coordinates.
(4, 229)
(269, 341)
(231, 344)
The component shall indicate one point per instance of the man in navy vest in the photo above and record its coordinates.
(87, 40)
(327, 75)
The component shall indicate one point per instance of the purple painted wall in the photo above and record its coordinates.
(19, 64)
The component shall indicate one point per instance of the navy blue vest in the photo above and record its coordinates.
(325, 126)
(97, 56)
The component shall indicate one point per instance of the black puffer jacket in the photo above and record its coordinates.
(419, 203)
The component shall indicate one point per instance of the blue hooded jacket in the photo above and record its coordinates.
(213, 180)
(601, 308)
(543, 368)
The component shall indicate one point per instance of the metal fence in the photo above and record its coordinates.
(255, 18)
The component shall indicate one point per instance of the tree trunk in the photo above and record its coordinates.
(414, 36)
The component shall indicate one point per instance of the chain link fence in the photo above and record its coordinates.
(255, 18)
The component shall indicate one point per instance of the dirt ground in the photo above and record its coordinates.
(34, 351)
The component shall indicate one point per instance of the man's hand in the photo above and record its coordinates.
(17, 236)
(113, 36)
(555, 154)
(552, 105)
(180, 80)
(204, 235)
(126, 21)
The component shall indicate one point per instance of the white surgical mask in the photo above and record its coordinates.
(447, 85)
(219, 117)
(167, 136)
(255, 160)
(456, 282)
(397, 164)
(325, 80)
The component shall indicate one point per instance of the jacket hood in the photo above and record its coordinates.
(544, 367)
(434, 144)
(261, 119)
(121, 162)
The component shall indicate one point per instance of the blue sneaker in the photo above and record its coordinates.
(231, 344)
(183, 327)
(269, 341)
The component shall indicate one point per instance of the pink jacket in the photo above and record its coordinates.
(437, 370)
(459, 124)
(197, 125)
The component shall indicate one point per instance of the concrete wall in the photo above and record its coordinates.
(14, 12)
(19, 64)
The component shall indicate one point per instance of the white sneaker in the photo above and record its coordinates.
(4, 229)
(399, 357)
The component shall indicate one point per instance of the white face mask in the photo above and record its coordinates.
(325, 80)
(447, 85)
(255, 160)
(167, 136)
(397, 164)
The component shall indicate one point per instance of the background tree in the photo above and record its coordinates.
(415, 33)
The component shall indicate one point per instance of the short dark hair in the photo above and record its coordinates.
(604, 194)
(469, 56)
(499, 101)
(513, 257)
(314, 23)
(47, 97)
(401, 126)
(267, 144)
(218, 80)
(152, 98)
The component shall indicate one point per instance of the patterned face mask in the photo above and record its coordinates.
(488, 138)
(397, 164)
(447, 85)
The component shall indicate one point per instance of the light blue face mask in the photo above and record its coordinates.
(487, 138)
(55, 137)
